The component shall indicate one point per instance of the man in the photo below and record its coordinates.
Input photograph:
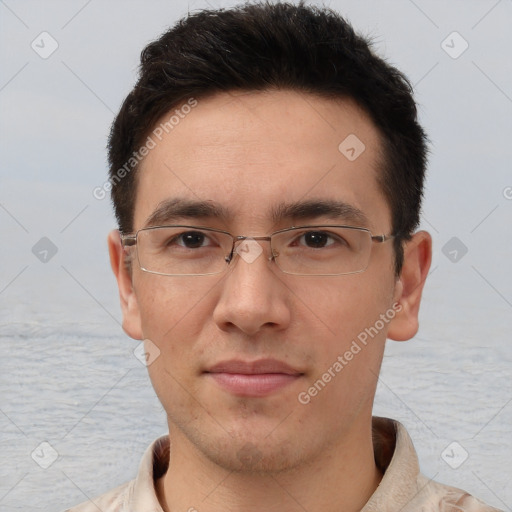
(267, 174)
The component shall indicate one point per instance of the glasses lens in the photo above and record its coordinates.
(182, 250)
(322, 250)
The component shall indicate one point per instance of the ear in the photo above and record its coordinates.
(121, 267)
(409, 286)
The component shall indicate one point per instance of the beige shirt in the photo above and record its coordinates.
(403, 488)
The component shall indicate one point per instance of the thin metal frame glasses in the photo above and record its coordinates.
(316, 250)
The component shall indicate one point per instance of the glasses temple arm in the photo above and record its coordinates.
(383, 238)
(128, 240)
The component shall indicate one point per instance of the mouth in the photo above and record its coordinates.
(253, 378)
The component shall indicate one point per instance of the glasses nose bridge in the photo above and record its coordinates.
(244, 237)
(241, 238)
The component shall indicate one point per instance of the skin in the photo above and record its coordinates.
(249, 152)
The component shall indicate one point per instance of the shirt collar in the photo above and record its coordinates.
(394, 455)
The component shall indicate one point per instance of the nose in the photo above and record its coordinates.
(253, 297)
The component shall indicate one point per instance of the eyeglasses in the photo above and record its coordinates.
(303, 250)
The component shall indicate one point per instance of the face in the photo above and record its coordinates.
(240, 352)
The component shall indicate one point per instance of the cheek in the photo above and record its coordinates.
(176, 315)
(342, 306)
(344, 321)
(173, 316)
(167, 304)
(349, 350)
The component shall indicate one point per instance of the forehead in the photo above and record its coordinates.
(252, 152)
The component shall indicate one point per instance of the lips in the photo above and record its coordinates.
(253, 378)
(254, 367)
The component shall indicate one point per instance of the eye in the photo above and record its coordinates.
(315, 239)
(191, 239)
(319, 239)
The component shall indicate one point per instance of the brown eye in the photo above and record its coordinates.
(191, 239)
(316, 239)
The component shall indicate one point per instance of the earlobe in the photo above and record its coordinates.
(409, 286)
(127, 296)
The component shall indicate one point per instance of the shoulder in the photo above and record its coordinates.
(112, 501)
(138, 494)
(403, 487)
(436, 497)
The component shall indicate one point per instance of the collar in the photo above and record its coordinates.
(394, 455)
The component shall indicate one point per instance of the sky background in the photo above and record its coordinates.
(67, 369)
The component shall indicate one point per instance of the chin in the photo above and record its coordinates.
(249, 447)
(255, 457)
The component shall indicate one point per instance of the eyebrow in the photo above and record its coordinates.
(178, 209)
(312, 209)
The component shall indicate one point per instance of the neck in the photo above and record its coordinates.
(342, 478)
